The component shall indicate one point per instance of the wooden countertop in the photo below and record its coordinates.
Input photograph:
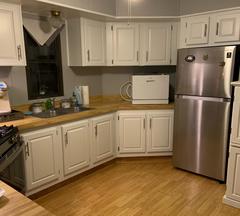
(98, 105)
(14, 203)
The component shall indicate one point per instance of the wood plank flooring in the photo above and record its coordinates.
(149, 186)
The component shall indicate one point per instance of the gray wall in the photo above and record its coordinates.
(193, 6)
(102, 6)
(148, 7)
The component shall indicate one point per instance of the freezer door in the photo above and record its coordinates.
(205, 71)
(201, 135)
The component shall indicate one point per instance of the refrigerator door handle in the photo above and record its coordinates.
(213, 99)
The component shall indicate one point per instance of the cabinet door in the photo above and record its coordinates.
(233, 177)
(197, 30)
(132, 133)
(235, 134)
(11, 35)
(160, 131)
(227, 27)
(156, 42)
(76, 146)
(102, 138)
(94, 34)
(126, 44)
(41, 158)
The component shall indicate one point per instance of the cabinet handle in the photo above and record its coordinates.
(27, 149)
(19, 50)
(147, 56)
(205, 30)
(66, 138)
(88, 55)
(137, 56)
(96, 132)
(150, 123)
(144, 124)
(217, 28)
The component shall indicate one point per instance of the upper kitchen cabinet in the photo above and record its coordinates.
(86, 42)
(141, 44)
(125, 47)
(155, 43)
(11, 36)
(195, 30)
(213, 29)
(226, 27)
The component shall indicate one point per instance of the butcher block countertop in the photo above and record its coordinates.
(99, 105)
(14, 203)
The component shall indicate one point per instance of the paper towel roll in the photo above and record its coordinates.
(85, 94)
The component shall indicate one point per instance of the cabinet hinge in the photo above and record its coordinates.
(171, 27)
(112, 28)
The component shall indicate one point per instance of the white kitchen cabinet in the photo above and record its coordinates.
(86, 41)
(41, 157)
(76, 146)
(102, 138)
(155, 43)
(132, 132)
(11, 36)
(226, 27)
(125, 44)
(196, 30)
(232, 195)
(160, 131)
(233, 176)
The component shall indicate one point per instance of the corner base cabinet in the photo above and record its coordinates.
(41, 157)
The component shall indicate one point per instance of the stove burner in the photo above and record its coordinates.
(5, 130)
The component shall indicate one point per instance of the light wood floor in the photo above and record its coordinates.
(148, 186)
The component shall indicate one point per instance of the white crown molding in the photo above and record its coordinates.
(109, 17)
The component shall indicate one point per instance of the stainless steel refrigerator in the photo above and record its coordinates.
(202, 109)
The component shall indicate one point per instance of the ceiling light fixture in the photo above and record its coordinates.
(56, 20)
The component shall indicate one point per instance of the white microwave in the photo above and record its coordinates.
(150, 89)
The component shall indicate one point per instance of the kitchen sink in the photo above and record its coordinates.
(60, 111)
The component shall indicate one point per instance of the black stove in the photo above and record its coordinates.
(10, 145)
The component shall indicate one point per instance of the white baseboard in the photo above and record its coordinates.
(231, 202)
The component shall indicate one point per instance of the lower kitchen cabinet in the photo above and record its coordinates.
(102, 138)
(41, 157)
(160, 131)
(132, 136)
(233, 177)
(76, 146)
(145, 132)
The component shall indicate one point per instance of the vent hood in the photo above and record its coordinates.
(40, 29)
